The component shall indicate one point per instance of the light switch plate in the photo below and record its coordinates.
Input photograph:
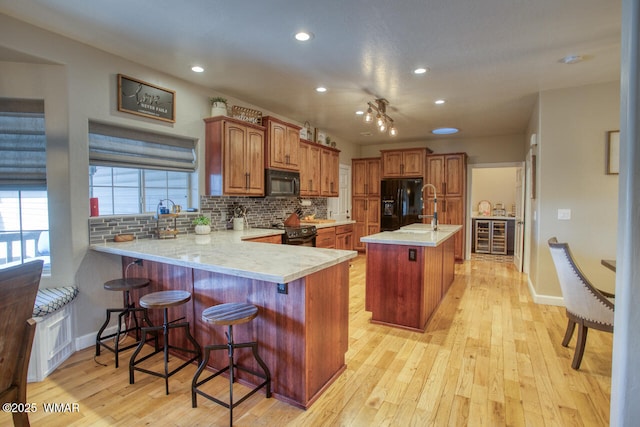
(564, 214)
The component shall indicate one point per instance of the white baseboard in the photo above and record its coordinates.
(544, 299)
(89, 340)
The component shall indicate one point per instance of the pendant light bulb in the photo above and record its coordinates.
(393, 131)
(379, 120)
(382, 126)
(368, 117)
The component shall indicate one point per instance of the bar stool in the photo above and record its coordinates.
(124, 285)
(230, 314)
(164, 300)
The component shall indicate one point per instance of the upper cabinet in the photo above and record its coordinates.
(365, 177)
(282, 144)
(404, 163)
(329, 172)
(234, 157)
(447, 172)
(309, 169)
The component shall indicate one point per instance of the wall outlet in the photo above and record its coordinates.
(413, 255)
(283, 288)
(564, 214)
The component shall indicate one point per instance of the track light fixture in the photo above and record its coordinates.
(383, 122)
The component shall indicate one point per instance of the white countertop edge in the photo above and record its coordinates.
(292, 261)
(329, 224)
(422, 235)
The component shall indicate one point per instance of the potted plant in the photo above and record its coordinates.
(202, 224)
(218, 106)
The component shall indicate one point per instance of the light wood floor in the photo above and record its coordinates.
(490, 357)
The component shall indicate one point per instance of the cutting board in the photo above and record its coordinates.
(317, 221)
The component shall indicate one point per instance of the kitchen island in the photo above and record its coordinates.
(302, 294)
(408, 273)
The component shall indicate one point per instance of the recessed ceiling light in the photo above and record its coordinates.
(303, 36)
(440, 101)
(197, 69)
(571, 59)
(359, 112)
(321, 89)
(420, 70)
(445, 131)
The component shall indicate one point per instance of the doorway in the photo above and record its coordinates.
(501, 186)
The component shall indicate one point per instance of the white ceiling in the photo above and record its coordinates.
(487, 58)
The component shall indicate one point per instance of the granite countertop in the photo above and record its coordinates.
(329, 224)
(226, 252)
(415, 235)
(494, 217)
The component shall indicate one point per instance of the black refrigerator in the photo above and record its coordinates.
(401, 203)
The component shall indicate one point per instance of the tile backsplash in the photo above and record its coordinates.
(260, 213)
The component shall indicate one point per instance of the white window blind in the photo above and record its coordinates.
(115, 146)
(23, 158)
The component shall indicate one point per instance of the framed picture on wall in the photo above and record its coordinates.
(147, 100)
(613, 152)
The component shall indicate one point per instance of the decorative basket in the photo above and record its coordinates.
(247, 115)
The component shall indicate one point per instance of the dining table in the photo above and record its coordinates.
(609, 263)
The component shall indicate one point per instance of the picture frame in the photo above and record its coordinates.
(145, 99)
(613, 152)
(319, 136)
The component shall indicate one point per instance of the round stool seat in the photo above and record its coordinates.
(231, 313)
(126, 284)
(164, 299)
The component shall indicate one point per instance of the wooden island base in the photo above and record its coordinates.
(405, 283)
(302, 335)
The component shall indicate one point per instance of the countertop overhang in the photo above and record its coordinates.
(227, 252)
(414, 235)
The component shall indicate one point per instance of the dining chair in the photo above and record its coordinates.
(18, 289)
(586, 305)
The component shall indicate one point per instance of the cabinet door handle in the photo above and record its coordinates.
(444, 206)
(366, 189)
(444, 188)
(401, 169)
(246, 180)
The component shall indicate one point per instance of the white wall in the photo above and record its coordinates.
(497, 185)
(493, 149)
(573, 125)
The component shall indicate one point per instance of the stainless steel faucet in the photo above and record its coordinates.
(434, 222)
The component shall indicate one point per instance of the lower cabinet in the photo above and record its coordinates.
(338, 237)
(326, 238)
(277, 239)
(344, 237)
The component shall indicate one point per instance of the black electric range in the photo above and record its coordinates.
(303, 235)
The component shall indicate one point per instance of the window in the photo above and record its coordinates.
(24, 218)
(131, 170)
(132, 191)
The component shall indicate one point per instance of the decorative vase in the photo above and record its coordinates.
(238, 224)
(203, 229)
(218, 109)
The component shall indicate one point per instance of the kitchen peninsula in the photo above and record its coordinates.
(408, 273)
(302, 294)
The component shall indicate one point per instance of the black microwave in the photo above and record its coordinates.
(282, 183)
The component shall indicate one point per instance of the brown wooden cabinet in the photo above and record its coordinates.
(277, 239)
(329, 172)
(447, 172)
(366, 177)
(309, 169)
(234, 157)
(404, 163)
(326, 238)
(282, 144)
(344, 237)
(365, 202)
